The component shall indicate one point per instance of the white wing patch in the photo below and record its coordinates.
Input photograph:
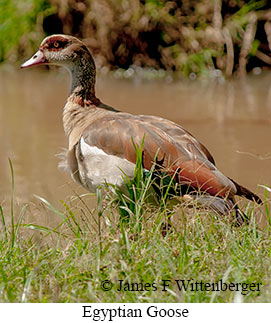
(96, 168)
(86, 149)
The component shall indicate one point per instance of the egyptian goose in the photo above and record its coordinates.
(100, 145)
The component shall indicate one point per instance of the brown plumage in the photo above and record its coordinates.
(100, 145)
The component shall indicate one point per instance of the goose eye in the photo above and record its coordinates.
(56, 44)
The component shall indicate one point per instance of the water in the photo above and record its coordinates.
(232, 119)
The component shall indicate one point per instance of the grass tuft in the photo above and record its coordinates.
(68, 262)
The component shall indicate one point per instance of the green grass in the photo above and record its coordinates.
(67, 263)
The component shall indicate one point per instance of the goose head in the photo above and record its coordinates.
(70, 53)
(59, 50)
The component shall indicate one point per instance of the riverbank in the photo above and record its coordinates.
(185, 36)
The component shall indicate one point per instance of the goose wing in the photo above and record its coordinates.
(165, 140)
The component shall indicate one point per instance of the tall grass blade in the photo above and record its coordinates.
(266, 205)
(42, 229)
(66, 219)
(4, 223)
(54, 209)
(76, 233)
(12, 203)
(100, 213)
(19, 222)
(27, 286)
(85, 204)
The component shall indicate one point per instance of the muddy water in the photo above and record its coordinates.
(232, 118)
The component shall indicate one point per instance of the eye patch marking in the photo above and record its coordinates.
(56, 43)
